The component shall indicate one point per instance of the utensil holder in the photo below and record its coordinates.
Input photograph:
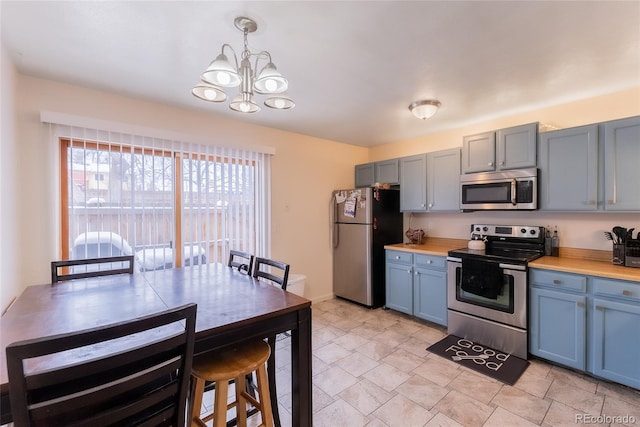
(618, 254)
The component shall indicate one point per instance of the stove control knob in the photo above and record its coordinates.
(485, 228)
(532, 231)
(523, 230)
(477, 228)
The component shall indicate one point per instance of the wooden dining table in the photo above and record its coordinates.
(232, 307)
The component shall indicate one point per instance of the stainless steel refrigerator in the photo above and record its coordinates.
(365, 219)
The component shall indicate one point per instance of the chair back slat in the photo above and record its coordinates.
(141, 374)
(243, 261)
(277, 266)
(99, 267)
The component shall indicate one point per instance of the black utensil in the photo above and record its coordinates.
(608, 235)
(620, 233)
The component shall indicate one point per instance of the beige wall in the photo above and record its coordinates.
(10, 245)
(577, 230)
(304, 172)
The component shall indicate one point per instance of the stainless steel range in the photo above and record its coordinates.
(488, 289)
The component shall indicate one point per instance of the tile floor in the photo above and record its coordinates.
(370, 368)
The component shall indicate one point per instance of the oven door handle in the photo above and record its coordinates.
(513, 267)
(454, 259)
(513, 192)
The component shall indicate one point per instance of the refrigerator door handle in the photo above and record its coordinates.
(336, 235)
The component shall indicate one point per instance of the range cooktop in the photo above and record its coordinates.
(518, 244)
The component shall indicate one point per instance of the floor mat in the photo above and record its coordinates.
(493, 363)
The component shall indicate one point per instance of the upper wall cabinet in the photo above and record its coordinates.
(622, 164)
(384, 172)
(568, 162)
(413, 183)
(509, 148)
(443, 171)
(479, 152)
(365, 175)
(590, 168)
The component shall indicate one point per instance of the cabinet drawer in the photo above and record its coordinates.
(616, 288)
(400, 257)
(430, 261)
(558, 280)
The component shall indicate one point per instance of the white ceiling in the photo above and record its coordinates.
(353, 66)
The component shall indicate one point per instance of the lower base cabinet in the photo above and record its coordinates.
(558, 327)
(587, 323)
(416, 284)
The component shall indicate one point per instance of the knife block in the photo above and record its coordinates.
(618, 254)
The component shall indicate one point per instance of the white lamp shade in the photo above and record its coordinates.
(208, 92)
(243, 106)
(424, 109)
(280, 102)
(221, 73)
(270, 80)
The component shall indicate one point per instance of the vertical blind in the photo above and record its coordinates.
(124, 194)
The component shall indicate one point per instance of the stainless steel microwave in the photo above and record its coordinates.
(506, 190)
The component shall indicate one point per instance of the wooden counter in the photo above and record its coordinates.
(580, 261)
(431, 246)
(588, 267)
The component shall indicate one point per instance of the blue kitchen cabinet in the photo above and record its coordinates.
(509, 148)
(399, 281)
(387, 171)
(558, 317)
(517, 147)
(568, 163)
(430, 288)
(443, 170)
(479, 152)
(384, 172)
(365, 175)
(614, 350)
(413, 183)
(622, 164)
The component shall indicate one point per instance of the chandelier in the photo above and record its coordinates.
(221, 73)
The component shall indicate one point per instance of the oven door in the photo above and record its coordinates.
(506, 300)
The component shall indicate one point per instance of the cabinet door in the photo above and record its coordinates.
(479, 152)
(430, 295)
(557, 329)
(517, 146)
(413, 183)
(365, 175)
(399, 287)
(443, 170)
(615, 341)
(568, 163)
(622, 165)
(386, 172)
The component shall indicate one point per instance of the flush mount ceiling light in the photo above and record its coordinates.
(424, 109)
(220, 74)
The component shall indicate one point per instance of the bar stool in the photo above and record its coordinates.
(232, 363)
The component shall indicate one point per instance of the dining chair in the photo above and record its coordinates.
(278, 273)
(128, 373)
(272, 266)
(94, 267)
(243, 261)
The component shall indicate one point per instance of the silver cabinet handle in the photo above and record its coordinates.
(490, 164)
(557, 282)
(430, 205)
(429, 261)
(409, 271)
(627, 293)
(502, 163)
(397, 256)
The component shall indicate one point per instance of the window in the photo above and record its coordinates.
(147, 197)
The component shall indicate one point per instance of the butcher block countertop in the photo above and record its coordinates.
(571, 260)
